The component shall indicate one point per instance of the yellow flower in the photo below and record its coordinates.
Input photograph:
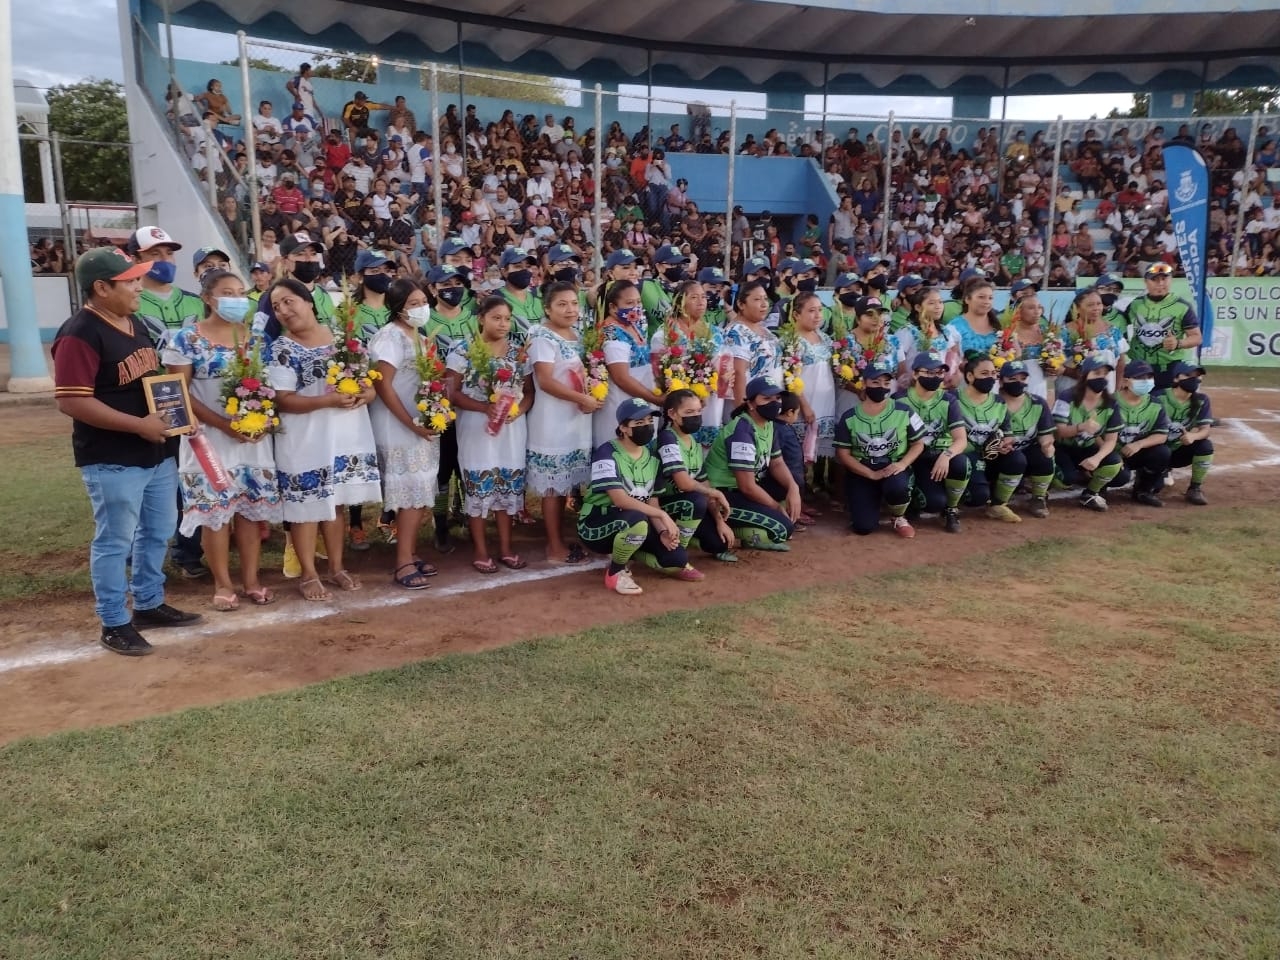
(796, 385)
(600, 391)
(493, 398)
(444, 402)
(846, 371)
(715, 380)
(657, 391)
(515, 409)
(275, 421)
(439, 421)
(374, 375)
(701, 391)
(678, 384)
(233, 406)
(349, 387)
(252, 424)
(422, 406)
(331, 381)
(268, 406)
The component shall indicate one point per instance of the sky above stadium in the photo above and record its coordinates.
(88, 45)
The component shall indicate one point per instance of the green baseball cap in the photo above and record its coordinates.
(107, 263)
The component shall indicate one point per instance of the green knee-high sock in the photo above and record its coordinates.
(1200, 468)
(681, 511)
(628, 541)
(955, 490)
(1040, 486)
(1104, 475)
(900, 509)
(1006, 484)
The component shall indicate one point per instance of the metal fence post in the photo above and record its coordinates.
(728, 206)
(1244, 185)
(887, 187)
(437, 182)
(64, 214)
(1053, 201)
(598, 163)
(251, 142)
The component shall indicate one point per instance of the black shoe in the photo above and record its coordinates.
(1147, 498)
(125, 640)
(1196, 495)
(164, 616)
(192, 571)
(1039, 507)
(1093, 501)
(951, 521)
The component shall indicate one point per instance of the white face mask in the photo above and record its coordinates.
(419, 315)
(451, 149)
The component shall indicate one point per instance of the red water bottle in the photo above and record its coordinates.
(209, 461)
(811, 443)
(724, 376)
(499, 412)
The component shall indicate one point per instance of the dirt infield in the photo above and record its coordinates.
(54, 677)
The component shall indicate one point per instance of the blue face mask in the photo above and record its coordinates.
(1142, 387)
(163, 271)
(233, 309)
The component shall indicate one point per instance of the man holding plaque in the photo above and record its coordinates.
(101, 358)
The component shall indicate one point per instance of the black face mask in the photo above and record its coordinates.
(880, 283)
(306, 271)
(520, 279)
(1096, 384)
(1191, 384)
(691, 424)
(675, 274)
(566, 275)
(876, 394)
(713, 301)
(929, 383)
(451, 296)
(641, 434)
(771, 410)
(848, 299)
(984, 384)
(1109, 299)
(807, 285)
(1015, 388)
(377, 282)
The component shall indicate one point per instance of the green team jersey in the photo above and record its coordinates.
(679, 456)
(838, 314)
(950, 310)
(179, 309)
(741, 445)
(1073, 414)
(899, 319)
(324, 304)
(1029, 422)
(1114, 317)
(879, 439)
(369, 320)
(1192, 415)
(656, 302)
(982, 418)
(1150, 322)
(526, 310)
(1140, 420)
(612, 468)
(449, 331)
(940, 414)
(719, 317)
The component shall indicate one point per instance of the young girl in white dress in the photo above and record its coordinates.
(492, 467)
(202, 353)
(408, 454)
(325, 453)
(559, 455)
(819, 397)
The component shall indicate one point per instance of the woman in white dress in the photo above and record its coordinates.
(819, 396)
(924, 333)
(325, 453)
(408, 454)
(201, 352)
(492, 467)
(559, 454)
(626, 355)
(688, 321)
(756, 351)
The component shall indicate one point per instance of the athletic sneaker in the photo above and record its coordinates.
(1146, 498)
(1001, 512)
(164, 616)
(292, 568)
(1196, 495)
(728, 556)
(621, 582)
(1039, 507)
(903, 528)
(1093, 501)
(951, 520)
(125, 640)
(759, 540)
(690, 574)
(360, 540)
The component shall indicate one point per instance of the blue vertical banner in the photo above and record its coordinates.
(1188, 183)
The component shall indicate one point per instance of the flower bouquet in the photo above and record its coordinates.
(792, 362)
(596, 382)
(1053, 351)
(350, 367)
(501, 378)
(246, 398)
(435, 412)
(688, 366)
(1005, 348)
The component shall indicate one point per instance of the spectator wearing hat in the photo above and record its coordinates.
(300, 126)
(877, 443)
(209, 258)
(304, 261)
(355, 115)
(260, 276)
(900, 313)
(125, 458)
(163, 306)
(1163, 329)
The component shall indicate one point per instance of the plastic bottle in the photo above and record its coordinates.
(209, 461)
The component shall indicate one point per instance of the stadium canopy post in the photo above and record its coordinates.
(64, 210)
(826, 82)
(1244, 185)
(437, 181)
(168, 44)
(1004, 114)
(887, 189)
(251, 144)
(597, 164)
(211, 150)
(461, 98)
(648, 95)
(30, 372)
(1053, 200)
(728, 207)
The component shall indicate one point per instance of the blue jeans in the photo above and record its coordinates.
(134, 509)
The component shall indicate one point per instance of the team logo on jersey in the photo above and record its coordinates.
(980, 433)
(1186, 191)
(878, 446)
(1151, 333)
(1176, 430)
(1130, 434)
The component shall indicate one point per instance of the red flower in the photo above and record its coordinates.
(503, 374)
(699, 358)
(676, 351)
(436, 386)
(252, 384)
(353, 345)
(598, 355)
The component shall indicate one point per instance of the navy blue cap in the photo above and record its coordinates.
(925, 360)
(755, 265)
(847, 279)
(791, 264)
(867, 304)
(713, 276)
(620, 258)
(633, 408)
(1184, 369)
(452, 245)
(368, 259)
(970, 272)
(514, 255)
(1108, 280)
(1096, 363)
(1011, 369)
(670, 253)
(908, 281)
(805, 265)
(881, 367)
(204, 253)
(561, 252)
(1018, 286)
(443, 272)
(763, 387)
(259, 266)
(1138, 370)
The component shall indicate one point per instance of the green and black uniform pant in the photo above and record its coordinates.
(934, 496)
(1198, 456)
(623, 533)
(746, 513)
(1068, 462)
(1146, 468)
(996, 481)
(863, 497)
(693, 515)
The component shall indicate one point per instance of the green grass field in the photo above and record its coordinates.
(1065, 750)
